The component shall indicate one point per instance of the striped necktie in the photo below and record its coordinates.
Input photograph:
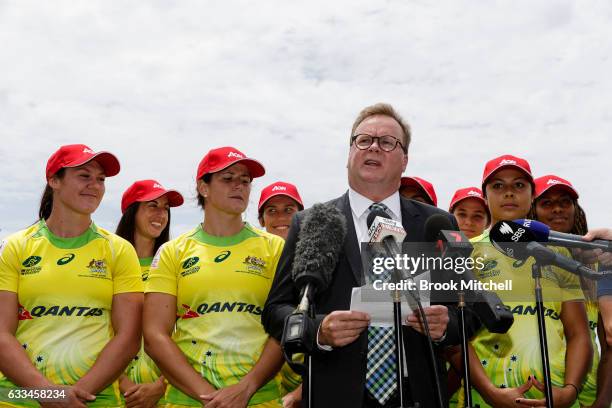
(381, 366)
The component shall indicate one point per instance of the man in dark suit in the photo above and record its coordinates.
(340, 367)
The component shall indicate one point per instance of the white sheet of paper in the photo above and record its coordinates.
(381, 310)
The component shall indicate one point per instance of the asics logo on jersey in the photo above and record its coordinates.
(31, 261)
(222, 256)
(232, 154)
(279, 188)
(506, 161)
(65, 259)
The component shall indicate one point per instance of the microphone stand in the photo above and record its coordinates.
(536, 273)
(295, 340)
(467, 386)
(399, 344)
(396, 278)
(308, 358)
(413, 298)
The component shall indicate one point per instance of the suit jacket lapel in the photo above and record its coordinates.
(351, 246)
(414, 230)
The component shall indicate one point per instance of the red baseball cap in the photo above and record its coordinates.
(503, 162)
(424, 185)
(280, 188)
(463, 193)
(148, 190)
(223, 157)
(544, 183)
(76, 155)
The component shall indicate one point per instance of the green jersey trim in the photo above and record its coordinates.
(145, 261)
(67, 243)
(245, 233)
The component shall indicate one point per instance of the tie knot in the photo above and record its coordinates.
(379, 207)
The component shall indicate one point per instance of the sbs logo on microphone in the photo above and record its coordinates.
(506, 229)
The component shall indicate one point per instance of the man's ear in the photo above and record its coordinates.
(405, 162)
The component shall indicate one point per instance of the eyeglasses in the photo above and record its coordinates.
(387, 143)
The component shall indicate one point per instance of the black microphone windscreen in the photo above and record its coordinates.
(376, 213)
(434, 224)
(319, 244)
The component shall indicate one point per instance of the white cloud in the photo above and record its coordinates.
(159, 83)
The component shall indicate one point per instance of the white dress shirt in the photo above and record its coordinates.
(359, 208)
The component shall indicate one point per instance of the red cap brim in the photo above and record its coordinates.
(294, 198)
(175, 199)
(256, 169)
(506, 166)
(563, 186)
(107, 160)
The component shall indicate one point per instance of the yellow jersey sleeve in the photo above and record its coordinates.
(126, 271)
(162, 275)
(569, 284)
(277, 248)
(570, 287)
(9, 264)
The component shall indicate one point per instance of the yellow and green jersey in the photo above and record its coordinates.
(142, 368)
(508, 359)
(588, 395)
(221, 285)
(290, 380)
(65, 289)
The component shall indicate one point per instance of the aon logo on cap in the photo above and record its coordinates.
(505, 161)
(232, 154)
(553, 181)
(279, 188)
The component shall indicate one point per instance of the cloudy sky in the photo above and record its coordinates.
(159, 83)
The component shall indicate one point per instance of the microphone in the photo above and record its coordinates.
(543, 233)
(489, 308)
(381, 228)
(518, 242)
(317, 251)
